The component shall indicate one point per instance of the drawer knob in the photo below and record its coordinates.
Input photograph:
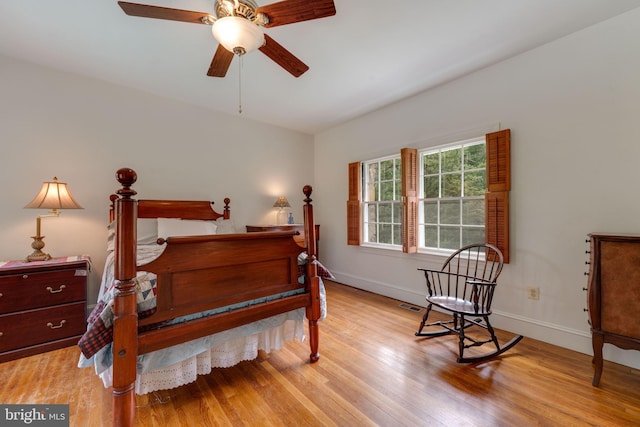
(1, 334)
(25, 276)
(62, 322)
(50, 289)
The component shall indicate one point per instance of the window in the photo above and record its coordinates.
(441, 198)
(451, 206)
(382, 207)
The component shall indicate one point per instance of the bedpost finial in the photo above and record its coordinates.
(307, 189)
(127, 177)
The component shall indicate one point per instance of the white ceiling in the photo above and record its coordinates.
(370, 54)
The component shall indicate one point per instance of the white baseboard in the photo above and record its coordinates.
(559, 335)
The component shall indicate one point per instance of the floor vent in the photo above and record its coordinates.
(410, 307)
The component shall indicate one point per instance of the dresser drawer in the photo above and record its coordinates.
(41, 325)
(41, 289)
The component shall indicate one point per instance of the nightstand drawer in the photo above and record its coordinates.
(33, 290)
(42, 325)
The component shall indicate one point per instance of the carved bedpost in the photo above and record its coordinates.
(313, 281)
(125, 324)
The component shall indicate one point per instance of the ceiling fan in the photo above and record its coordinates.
(236, 25)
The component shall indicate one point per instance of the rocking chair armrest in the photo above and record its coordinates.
(448, 273)
(481, 283)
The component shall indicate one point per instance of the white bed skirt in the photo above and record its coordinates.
(224, 355)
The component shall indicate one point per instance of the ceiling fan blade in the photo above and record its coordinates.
(220, 62)
(146, 11)
(283, 57)
(290, 11)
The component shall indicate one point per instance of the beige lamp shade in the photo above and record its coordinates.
(281, 202)
(54, 195)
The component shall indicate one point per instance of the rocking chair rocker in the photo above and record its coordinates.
(464, 287)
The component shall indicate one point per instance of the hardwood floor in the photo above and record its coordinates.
(372, 371)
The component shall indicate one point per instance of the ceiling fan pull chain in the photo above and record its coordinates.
(240, 84)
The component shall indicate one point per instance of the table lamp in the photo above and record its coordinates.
(53, 195)
(281, 203)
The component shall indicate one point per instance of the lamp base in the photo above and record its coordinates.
(37, 254)
(281, 217)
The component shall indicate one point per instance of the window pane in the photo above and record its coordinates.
(431, 184)
(386, 232)
(452, 195)
(386, 190)
(372, 179)
(372, 172)
(372, 191)
(371, 213)
(397, 213)
(372, 235)
(450, 237)
(431, 236)
(431, 163)
(450, 212)
(452, 185)
(452, 160)
(386, 170)
(474, 156)
(385, 213)
(430, 212)
(397, 234)
(474, 183)
(382, 182)
(473, 212)
(472, 235)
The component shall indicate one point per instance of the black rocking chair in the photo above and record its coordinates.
(464, 287)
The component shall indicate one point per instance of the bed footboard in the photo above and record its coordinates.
(200, 273)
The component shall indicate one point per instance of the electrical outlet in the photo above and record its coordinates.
(533, 293)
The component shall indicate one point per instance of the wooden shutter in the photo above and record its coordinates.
(354, 205)
(409, 160)
(498, 146)
(497, 221)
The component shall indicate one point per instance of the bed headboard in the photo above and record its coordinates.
(184, 209)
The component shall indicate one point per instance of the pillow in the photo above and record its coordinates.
(147, 232)
(184, 227)
(225, 226)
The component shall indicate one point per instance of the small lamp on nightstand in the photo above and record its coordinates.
(281, 203)
(53, 195)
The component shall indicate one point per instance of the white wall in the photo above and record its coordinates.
(572, 107)
(82, 130)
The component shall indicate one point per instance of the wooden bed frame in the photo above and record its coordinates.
(199, 273)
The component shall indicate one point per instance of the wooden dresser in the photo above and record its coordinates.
(613, 294)
(42, 306)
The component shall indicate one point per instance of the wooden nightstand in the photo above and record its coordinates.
(42, 305)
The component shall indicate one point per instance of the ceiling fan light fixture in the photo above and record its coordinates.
(237, 35)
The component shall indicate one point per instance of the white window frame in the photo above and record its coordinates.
(422, 243)
(396, 214)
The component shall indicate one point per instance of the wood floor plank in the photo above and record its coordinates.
(372, 372)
